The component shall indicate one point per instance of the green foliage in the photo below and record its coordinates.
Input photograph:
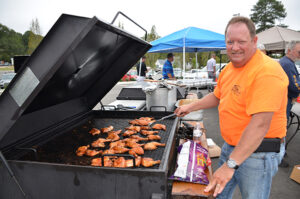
(266, 12)
(152, 57)
(13, 43)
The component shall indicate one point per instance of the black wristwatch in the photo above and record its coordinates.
(232, 164)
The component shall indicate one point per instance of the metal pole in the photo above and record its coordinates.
(196, 61)
(184, 55)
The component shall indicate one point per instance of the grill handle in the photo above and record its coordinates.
(158, 107)
(119, 12)
(11, 173)
(119, 155)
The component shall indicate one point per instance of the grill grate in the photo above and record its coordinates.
(62, 148)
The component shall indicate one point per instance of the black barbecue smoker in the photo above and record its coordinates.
(46, 113)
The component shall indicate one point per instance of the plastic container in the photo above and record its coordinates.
(197, 133)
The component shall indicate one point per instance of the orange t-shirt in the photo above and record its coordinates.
(259, 86)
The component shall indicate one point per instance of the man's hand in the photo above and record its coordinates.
(182, 111)
(220, 178)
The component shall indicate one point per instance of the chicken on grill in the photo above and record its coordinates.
(138, 138)
(153, 137)
(100, 142)
(129, 162)
(119, 149)
(108, 151)
(129, 133)
(120, 143)
(81, 150)
(119, 162)
(147, 118)
(145, 132)
(159, 127)
(112, 136)
(145, 127)
(149, 162)
(95, 131)
(107, 129)
(141, 122)
(134, 128)
(92, 153)
(153, 145)
(98, 162)
(135, 151)
(132, 143)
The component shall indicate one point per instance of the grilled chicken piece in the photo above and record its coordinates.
(141, 122)
(145, 127)
(100, 142)
(117, 143)
(119, 149)
(149, 162)
(153, 145)
(81, 150)
(147, 118)
(112, 136)
(120, 162)
(92, 153)
(135, 151)
(145, 132)
(95, 131)
(129, 133)
(134, 128)
(153, 137)
(136, 137)
(109, 151)
(132, 143)
(159, 127)
(129, 162)
(96, 162)
(107, 129)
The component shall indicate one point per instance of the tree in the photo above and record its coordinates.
(33, 37)
(152, 57)
(266, 12)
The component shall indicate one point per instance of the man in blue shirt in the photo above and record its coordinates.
(288, 64)
(168, 68)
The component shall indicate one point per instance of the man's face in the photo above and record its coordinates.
(294, 54)
(171, 59)
(239, 44)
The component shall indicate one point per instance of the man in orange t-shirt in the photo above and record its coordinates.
(252, 95)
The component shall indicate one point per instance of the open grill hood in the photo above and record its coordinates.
(76, 64)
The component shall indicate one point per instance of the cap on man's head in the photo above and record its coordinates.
(170, 55)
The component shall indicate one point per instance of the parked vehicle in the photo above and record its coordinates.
(130, 75)
(177, 72)
(6, 79)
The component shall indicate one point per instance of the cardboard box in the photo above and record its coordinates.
(295, 175)
(213, 149)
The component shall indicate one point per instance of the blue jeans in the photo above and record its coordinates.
(254, 175)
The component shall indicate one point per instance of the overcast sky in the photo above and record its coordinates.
(168, 16)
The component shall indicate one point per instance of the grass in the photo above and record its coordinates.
(7, 68)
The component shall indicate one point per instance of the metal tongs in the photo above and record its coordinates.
(163, 118)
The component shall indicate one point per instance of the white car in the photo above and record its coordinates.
(6, 79)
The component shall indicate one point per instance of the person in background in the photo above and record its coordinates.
(251, 96)
(288, 64)
(141, 69)
(168, 68)
(262, 48)
(211, 67)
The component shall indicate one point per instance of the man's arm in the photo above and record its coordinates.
(249, 142)
(207, 101)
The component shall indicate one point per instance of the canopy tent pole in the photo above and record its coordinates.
(196, 61)
(184, 55)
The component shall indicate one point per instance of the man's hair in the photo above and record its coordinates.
(250, 25)
(144, 57)
(213, 55)
(170, 55)
(291, 45)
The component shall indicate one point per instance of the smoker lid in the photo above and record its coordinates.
(78, 62)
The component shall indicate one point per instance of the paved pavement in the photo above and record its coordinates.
(282, 187)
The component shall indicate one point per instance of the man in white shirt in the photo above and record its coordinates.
(211, 67)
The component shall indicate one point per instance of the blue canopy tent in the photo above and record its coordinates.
(190, 39)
